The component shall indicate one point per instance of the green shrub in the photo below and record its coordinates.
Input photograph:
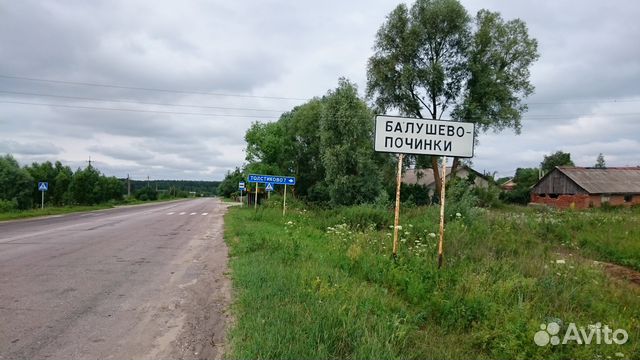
(460, 199)
(146, 194)
(363, 216)
(8, 205)
(489, 197)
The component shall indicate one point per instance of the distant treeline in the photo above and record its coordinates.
(200, 188)
(88, 186)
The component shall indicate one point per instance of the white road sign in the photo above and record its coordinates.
(425, 137)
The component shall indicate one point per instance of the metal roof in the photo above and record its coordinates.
(615, 180)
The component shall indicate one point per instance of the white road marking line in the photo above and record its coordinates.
(182, 213)
(171, 213)
(205, 214)
(192, 214)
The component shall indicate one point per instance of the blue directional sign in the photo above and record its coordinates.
(43, 186)
(241, 185)
(276, 180)
(269, 187)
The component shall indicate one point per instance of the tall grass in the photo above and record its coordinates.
(320, 284)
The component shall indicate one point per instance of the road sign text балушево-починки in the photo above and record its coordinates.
(422, 136)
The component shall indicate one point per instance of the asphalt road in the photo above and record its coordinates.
(142, 282)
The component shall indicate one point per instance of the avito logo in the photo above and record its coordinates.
(596, 333)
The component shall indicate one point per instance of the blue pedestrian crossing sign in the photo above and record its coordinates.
(269, 187)
(43, 186)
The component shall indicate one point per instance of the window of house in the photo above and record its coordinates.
(553, 196)
(627, 198)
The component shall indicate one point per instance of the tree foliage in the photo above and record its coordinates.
(229, 186)
(600, 163)
(58, 176)
(432, 59)
(88, 187)
(19, 186)
(559, 158)
(524, 178)
(15, 185)
(352, 174)
(327, 144)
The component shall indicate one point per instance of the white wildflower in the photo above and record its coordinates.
(561, 261)
(432, 235)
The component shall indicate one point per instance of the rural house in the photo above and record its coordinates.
(580, 187)
(508, 185)
(425, 177)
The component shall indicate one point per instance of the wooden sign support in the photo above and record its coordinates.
(442, 197)
(397, 212)
(284, 202)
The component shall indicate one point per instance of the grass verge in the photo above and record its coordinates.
(319, 285)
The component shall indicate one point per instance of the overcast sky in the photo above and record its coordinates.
(275, 54)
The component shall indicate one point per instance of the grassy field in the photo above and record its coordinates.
(321, 284)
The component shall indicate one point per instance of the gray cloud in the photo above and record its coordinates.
(29, 148)
(281, 48)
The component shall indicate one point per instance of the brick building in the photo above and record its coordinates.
(579, 187)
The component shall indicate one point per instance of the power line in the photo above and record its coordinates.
(149, 89)
(135, 110)
(540, 117)
(586, 101)
(270, 97)
(136, 102)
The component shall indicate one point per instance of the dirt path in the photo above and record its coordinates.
(615, 271)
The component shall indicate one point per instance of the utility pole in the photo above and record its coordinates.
(89, 161)
(128, 186)
(148, 183)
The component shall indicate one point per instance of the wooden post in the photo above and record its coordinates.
(255, 205)
(442, 192)
(397, 212)
(284, 203)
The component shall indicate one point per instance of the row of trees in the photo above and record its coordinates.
(19, 186)
(326, 144)
(177, 188)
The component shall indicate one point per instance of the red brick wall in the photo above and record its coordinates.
(564, 201)
(583, 201)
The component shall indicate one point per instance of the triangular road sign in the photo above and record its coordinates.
(269, 187)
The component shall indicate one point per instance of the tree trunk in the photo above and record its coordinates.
(436, 176)
(454, 166)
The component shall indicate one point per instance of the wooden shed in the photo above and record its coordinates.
(581, 187)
